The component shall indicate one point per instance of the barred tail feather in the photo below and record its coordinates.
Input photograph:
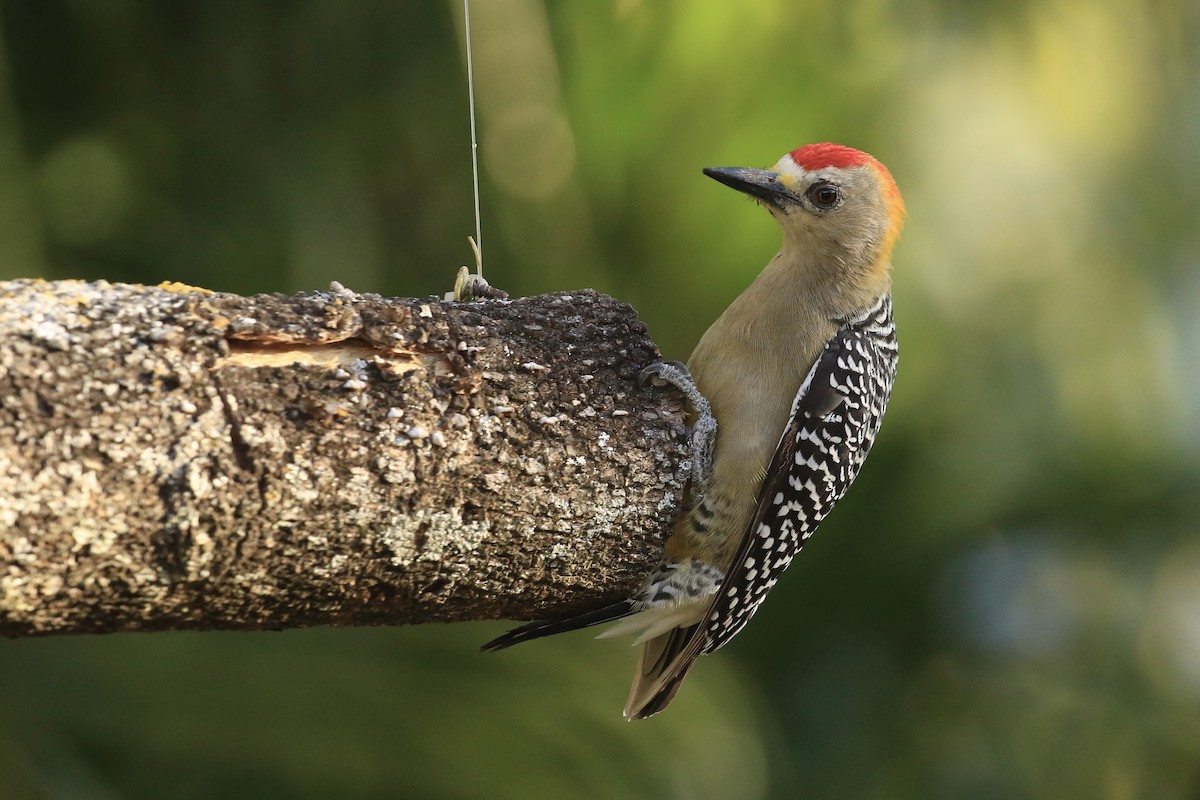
(539, 628)
(664, 664)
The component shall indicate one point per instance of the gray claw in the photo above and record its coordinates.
(704, 431)
(656, 370)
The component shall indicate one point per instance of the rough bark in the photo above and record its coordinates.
(172, 458)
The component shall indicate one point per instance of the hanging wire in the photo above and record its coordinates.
(477, 244)
(468, 287)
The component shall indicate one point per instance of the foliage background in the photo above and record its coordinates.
(1007, 605)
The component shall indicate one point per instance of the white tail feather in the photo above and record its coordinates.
(654, 622)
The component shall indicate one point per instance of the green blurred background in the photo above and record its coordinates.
(1008, 603)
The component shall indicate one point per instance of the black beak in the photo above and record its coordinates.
(760, 184)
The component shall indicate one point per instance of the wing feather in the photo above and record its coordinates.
(835, 418)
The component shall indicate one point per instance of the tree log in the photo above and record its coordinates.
(173, 458)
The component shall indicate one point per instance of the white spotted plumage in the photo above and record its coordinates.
(818, 457)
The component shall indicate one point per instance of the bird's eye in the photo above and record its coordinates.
(824, 195)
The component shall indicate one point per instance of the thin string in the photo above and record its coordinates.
(474, 140)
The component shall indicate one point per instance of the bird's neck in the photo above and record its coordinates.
(826, 285)
(780, 323)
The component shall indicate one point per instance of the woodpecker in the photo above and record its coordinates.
(797, 373)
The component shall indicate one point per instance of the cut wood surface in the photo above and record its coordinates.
(174, 458)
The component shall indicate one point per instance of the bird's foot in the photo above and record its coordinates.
(704, 430)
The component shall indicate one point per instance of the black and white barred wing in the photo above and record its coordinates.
(835, 418)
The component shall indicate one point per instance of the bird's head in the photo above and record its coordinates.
(839, 208)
